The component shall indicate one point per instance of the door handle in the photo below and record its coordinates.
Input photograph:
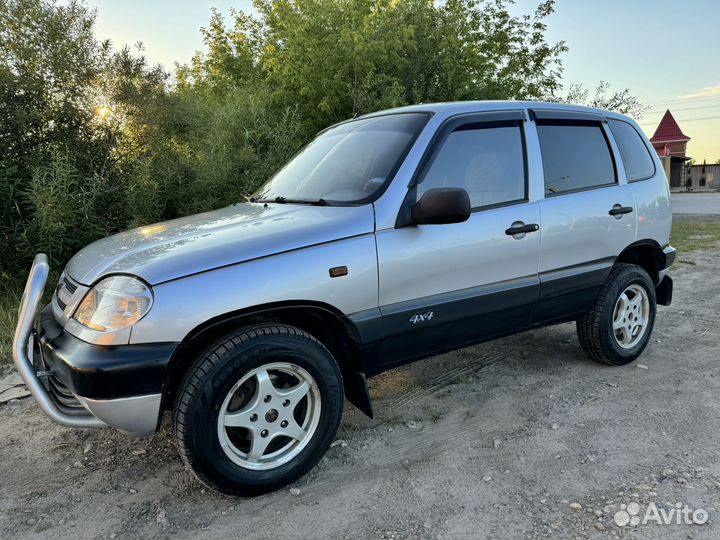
(618, 210)
(521, 228)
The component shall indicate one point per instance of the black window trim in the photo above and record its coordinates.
(642, 140)
(472, 121)
(561, 114)
(588, 120)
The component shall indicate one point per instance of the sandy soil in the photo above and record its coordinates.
(504, 440)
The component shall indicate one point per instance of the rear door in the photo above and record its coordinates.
(646, 181)
(444, 286)
(588, 214)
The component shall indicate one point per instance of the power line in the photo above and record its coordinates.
(684, 100)
(689, 108)
(684, 120)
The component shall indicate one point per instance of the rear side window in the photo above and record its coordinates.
(635, 155)
(575, 157)
(488, 162)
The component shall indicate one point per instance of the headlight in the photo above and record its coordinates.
(114, 303)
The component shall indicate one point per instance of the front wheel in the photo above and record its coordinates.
(618, 327)
(258, 409)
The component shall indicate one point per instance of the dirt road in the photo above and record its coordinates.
(696, 203)
(518, 438)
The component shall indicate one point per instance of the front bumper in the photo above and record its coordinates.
(78, 384)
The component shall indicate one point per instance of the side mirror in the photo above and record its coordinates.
(441, 206)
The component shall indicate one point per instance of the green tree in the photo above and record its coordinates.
(621, 101)
(74, 120)
(49, 59)
(94, 140)
(231, 57)
(333, 59)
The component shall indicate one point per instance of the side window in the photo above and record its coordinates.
(574, 157)
(635, 155)
(487, 162)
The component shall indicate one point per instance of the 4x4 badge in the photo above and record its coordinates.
(422, 317)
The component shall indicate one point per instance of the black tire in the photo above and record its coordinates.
(211, 378)
(594, 328)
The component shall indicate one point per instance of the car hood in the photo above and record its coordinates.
(202, 242)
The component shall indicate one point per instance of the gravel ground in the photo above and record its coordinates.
(517, 438)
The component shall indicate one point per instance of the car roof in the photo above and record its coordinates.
(459, 107)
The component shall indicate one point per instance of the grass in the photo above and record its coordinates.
(9, 303)
(690, 236)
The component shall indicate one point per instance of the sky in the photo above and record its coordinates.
(666, 52)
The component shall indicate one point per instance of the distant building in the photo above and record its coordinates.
(670, 143)
(703, 177)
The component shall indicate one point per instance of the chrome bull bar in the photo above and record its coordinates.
(29, 305)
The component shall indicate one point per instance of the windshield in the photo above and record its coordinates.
(348, 163)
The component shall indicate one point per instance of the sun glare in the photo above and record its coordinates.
(102, 112)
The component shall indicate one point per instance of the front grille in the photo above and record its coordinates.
(65, 289)
(69, 285)
(60, 394)
(63, 398)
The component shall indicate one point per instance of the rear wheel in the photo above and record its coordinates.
(258, 409)
(618, 327)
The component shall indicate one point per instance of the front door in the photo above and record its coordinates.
(444, 286)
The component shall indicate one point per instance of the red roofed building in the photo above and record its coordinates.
(671, 143)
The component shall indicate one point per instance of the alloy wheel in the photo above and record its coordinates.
(269, 416)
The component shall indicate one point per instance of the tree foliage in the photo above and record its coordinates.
(95, 140)
(333, 59)
(49, 62)
(621, 101)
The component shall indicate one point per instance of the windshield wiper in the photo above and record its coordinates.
(284, 200)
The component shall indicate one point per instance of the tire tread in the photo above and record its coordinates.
(211, 358)
(588, 325)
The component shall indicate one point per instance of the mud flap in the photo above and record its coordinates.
(664, 291)
(357, 393)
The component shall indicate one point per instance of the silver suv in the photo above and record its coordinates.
(389, 238)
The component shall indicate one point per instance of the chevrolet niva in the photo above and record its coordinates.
(389, 238)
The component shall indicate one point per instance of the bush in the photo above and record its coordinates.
(234, 143)
(94, 141)
(69, 210)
